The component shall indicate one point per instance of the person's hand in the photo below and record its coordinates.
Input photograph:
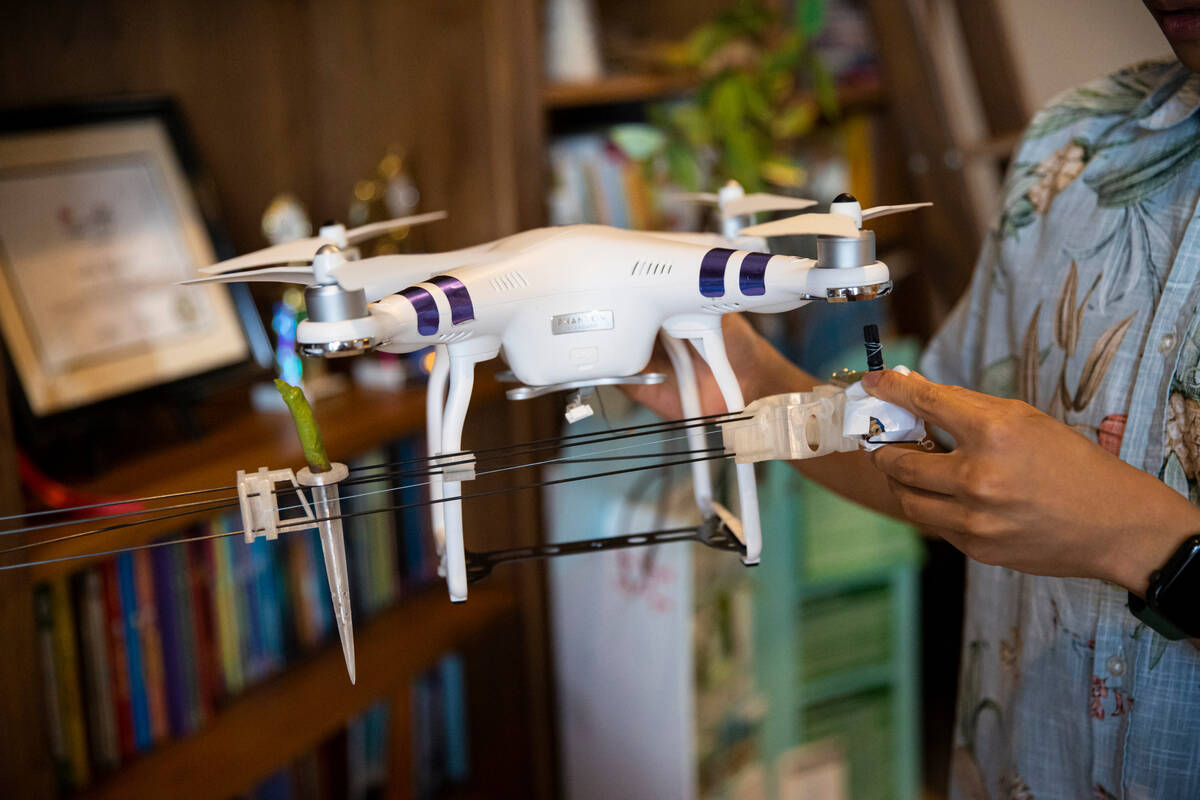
(760, 368)
(1025, 491)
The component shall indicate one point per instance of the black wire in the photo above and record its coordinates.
(119, 526)
(598, 437)
(500, 452)
(353, 514)
(372, 479)
(533, 447)
(141, 512)
(119, 550)
(122, 502)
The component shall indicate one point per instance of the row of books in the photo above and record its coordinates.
(358, 763)
(595, 181)
(149, 643)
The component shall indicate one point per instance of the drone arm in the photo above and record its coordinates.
(689, 397)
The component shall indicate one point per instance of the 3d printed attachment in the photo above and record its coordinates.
(825, 420)
(260, 508)
(458, 466)
(790, 426)
(260, 517)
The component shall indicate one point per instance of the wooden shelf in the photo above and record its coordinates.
(635, 88)
(282, 719)
(615, 89)
(242, 439)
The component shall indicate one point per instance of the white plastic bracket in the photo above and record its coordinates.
(259, 500)
(456, 467)
(790, 426)
(810, 424)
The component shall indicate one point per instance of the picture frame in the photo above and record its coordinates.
(100, 219)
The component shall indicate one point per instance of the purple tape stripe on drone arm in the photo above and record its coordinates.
(461, 308)
(426, 308)
(752, 279)
(712, 271)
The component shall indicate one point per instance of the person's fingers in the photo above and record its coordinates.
(958, 411)
(933, 472)
(928, 509)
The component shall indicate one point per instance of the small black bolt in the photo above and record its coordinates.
(845, 197)
(874, 348)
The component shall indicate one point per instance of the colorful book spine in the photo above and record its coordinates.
(185, 623)
(43, 611)
(118, 657)
(151, 639)
(208, 665)
(95, 663)
(142, 734)
(171, 637)
(454, 708)
(225, 612)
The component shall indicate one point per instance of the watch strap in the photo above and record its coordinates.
(1153, 619)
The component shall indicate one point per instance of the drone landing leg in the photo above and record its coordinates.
(462, 380)
(435, 401)
(711, 345)
(689, 398)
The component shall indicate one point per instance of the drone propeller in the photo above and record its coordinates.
(378, 276)
(884, 211)
(304, 249)
(845, 218)
(737, 204)
(804, 224)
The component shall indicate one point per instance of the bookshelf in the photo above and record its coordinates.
(272, 723)
(630, 88)
(238, 438)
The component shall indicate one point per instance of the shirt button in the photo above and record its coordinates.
(1115, 665)
(1167, 343)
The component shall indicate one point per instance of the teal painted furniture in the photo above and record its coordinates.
(837, 633)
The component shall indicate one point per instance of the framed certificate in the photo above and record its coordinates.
(98, 224)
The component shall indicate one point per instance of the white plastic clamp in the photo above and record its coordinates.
(810, 424)
(790, 426)
(259, 501)
(455, 467)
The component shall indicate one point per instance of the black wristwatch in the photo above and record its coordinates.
(1172, 604)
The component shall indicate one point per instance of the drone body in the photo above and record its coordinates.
(575, 306)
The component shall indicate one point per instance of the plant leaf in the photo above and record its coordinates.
(1099, 360)
(1134, 183)
(999, 379)
(1083, 306)
(1065, 329)
(1027, 374)
(1158, 646)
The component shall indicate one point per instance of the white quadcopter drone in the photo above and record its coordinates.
(571, 307)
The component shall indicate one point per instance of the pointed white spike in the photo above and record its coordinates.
(883, 211)
(761, 201)
(804, 224)
(333, 547)
(364, 232)
(327, 509)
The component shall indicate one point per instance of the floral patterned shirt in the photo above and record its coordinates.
(1084, 304)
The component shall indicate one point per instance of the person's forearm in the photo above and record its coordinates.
(849, 474)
